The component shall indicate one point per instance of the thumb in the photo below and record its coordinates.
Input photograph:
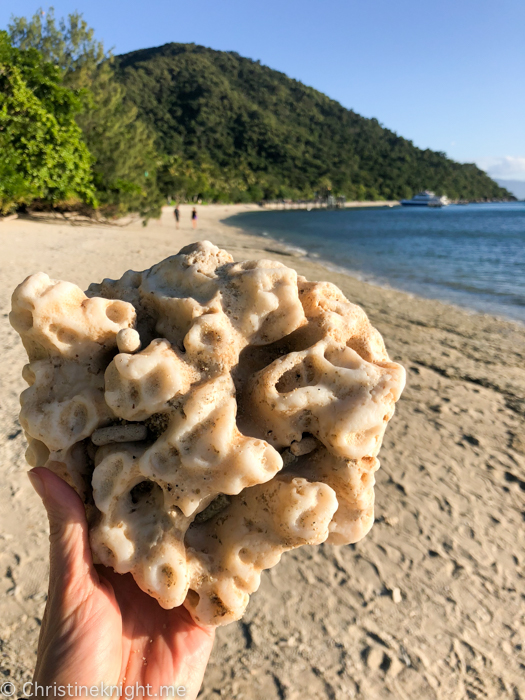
(70, 554)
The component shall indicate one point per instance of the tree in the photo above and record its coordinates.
(70, 45)
(125, 160)
(43, 155)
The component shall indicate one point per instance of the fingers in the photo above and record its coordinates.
(191, 646)
(70, 556)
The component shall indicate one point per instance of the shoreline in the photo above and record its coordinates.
(449, 496)
(360, 276)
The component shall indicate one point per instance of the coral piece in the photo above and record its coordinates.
(247, 425)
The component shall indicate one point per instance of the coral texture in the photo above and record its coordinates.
(247, 425)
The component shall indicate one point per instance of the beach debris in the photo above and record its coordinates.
(396, 595)
(128, 340)
(130, 432)
(374, 657)
(303, 447)
(217, 414)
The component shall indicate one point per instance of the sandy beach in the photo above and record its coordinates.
(431, 604)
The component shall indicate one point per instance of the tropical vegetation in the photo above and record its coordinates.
(42, 154)
(80, 128)
(124, 158)
(233, 129)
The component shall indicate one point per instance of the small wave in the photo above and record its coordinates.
(470, 261)
(293, 250)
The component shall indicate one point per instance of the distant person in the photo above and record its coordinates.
(194, 218)
(176, 213)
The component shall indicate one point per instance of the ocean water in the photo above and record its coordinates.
(472, 256)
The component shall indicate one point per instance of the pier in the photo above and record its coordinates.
(326, 203)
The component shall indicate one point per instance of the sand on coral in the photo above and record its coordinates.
(431, 603)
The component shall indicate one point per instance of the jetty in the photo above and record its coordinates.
(326, 203)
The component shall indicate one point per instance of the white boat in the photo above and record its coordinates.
(425, 199)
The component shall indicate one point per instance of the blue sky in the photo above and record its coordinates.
(450, 75)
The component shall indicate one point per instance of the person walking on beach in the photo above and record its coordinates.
(194, 218)
(176, 213)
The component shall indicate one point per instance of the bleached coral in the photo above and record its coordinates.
(247, 425)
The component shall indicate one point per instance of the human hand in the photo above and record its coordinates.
(98, 626)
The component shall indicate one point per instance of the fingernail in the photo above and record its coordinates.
(37, 483)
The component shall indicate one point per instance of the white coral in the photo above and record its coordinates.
(256, 410)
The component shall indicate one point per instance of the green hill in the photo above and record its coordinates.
(231, 128)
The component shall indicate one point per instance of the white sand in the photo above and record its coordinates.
(431, 603)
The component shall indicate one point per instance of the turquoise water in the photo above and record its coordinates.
(472, 255)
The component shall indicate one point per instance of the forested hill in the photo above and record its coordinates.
(230, 127)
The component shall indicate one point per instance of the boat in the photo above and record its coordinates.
(425, 199)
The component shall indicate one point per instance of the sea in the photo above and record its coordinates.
(470, 255)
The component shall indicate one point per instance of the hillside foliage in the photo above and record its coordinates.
(230, 128)
(81, 128)
(124, 157)
(42, 152)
